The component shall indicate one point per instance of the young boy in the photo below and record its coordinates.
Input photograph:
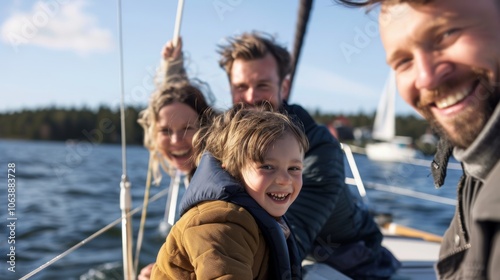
(249, 172)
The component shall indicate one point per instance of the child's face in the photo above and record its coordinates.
(276, 182)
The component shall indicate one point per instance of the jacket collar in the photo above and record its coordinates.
(483, 154)
(209, 182)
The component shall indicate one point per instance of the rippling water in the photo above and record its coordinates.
(67, 191)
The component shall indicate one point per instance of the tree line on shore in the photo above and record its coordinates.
(103, 124)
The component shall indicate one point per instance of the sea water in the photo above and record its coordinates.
(66, 191)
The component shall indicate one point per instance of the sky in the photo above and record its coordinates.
(66, 53)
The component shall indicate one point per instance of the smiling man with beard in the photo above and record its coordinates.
(446, 55)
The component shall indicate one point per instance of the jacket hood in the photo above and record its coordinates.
(209, 182)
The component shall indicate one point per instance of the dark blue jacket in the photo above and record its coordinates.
(330, 225)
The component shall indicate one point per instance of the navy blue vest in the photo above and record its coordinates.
(284, 256)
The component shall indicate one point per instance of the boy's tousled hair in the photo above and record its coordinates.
(242, 134)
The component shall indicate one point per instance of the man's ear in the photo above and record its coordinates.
(285, 88)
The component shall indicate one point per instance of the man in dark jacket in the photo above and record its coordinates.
(327, 221)
(447, 60)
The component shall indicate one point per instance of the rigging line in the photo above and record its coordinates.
(145, 204)
(411, 193)
(423, 162)
(122, 94)
(94, 235)
(301, 28)
(125, 197)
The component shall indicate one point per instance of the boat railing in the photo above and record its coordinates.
(361, 186)
(385, 222)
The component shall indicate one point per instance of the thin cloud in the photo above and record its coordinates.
(57, 26)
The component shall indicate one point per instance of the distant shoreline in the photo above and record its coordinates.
(103, 124)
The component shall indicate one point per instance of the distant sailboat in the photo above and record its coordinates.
(390, 147)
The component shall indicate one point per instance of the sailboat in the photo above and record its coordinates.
(389, 147)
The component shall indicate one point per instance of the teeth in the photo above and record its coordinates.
(180, 153)
(452, 99)
(278, 196)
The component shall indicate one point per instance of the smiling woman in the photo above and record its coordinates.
(173, 116)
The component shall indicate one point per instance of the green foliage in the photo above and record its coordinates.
(102, 125)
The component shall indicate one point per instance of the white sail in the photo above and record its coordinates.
(390, 147)
(384, 128)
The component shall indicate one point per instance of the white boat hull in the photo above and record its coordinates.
(390, 151)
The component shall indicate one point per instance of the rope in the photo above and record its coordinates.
(303, 19)
(91, 237)
(145, 204)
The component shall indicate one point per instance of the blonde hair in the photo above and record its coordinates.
(186, 92)
(241, 135)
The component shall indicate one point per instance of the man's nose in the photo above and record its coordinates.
(431, 71)
(250, 96)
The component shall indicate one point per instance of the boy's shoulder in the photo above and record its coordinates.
(217, 212)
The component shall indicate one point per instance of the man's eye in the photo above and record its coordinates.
(450, 32)
(241, 88)
(448, 37)
(402, 63)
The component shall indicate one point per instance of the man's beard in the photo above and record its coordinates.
(469, 127)
(261, 105)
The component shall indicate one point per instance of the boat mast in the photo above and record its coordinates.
(300, 31)
(125, 197)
